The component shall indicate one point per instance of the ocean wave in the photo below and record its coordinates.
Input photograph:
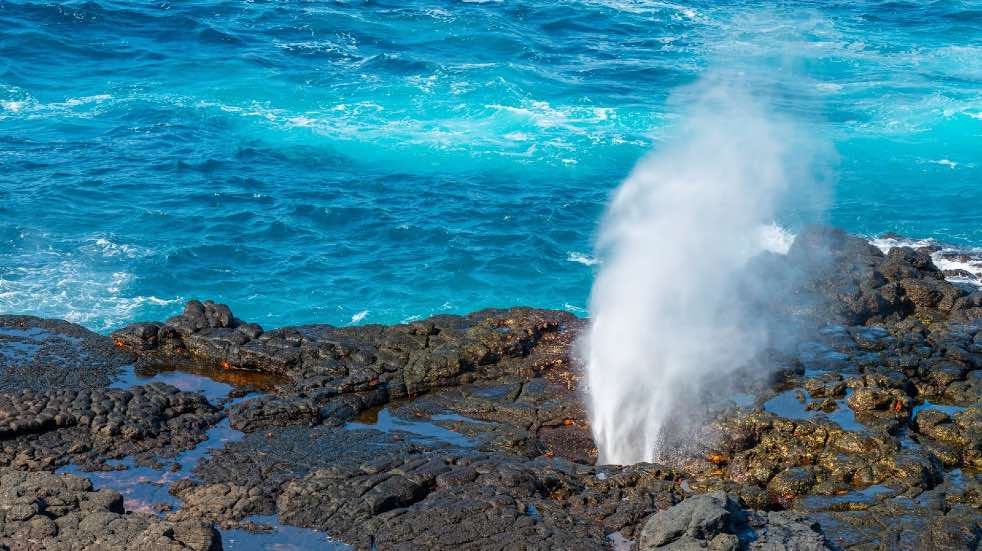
(348, 151)
(90, 280)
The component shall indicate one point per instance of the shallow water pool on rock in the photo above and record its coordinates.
(20, 344)
(282, 537)
(383, 420)
(815, 356)
(858, 499)
(943, 408)
(217, 385)
(788, 405)
(146, 488)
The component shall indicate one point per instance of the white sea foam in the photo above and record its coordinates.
(107, 248)
(301, 121)
(69, 289)
(968, 267)
(359, 316)
(887, 243)
(15, 101)
(93, 284)
(544, 115)
(74, 102)
(581, 258)
(675, 11)
(945, 162)
(81, 107)
(574, 309)
(775, 238)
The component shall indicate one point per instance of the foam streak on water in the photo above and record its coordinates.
(307, 162)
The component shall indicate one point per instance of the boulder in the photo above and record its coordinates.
(716, 522)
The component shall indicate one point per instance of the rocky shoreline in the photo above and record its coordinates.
(470, 432)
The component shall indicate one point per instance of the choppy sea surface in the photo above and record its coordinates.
(356, 162)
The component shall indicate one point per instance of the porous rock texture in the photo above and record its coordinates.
(44, 511)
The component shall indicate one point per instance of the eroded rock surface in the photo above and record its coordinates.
(47, 429)
(44, 511)
(439, 500)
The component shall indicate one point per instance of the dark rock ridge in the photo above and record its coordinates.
(469, 432)
(439, 500)
(838, 278)
(907, 335)
(337, 372)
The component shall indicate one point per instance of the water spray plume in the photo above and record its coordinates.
(666, 306)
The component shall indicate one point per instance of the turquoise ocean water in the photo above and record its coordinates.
(356, 162)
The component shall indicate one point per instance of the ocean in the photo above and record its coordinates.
(359, 162)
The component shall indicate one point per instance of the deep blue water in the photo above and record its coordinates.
(377, 161)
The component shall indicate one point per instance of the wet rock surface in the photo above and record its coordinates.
(470, 432)
(439, 499)
(40, 354)
(40, 510)
(716, 521)
(47, 429)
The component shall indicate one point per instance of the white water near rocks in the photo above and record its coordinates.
(676, 235)
(961, 265)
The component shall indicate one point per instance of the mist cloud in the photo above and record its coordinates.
(667, 308)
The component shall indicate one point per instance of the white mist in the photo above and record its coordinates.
(665, 307)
